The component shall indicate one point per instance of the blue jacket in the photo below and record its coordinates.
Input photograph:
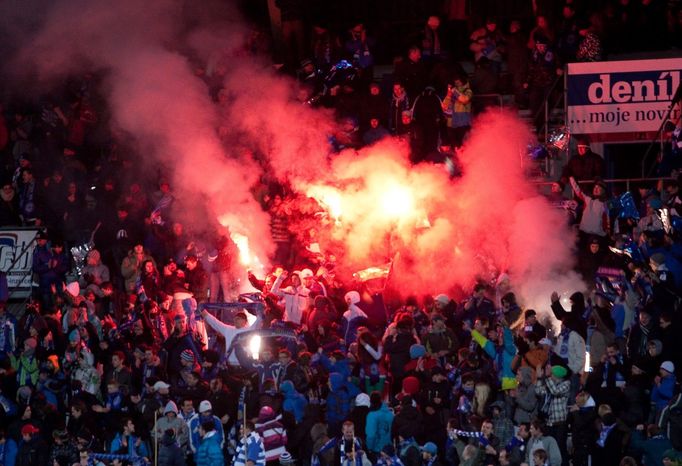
(294, 402)
(8, 452)
(141, 450)
(652, 449)
(502, 356)
(210, 452)
(349, 329)
(342, 367)
(338, 400)
(662, 394)
(378, 428)
(195, 422)
(41, 263)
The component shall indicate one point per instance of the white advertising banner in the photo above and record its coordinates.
(621, 96)
(16, 259)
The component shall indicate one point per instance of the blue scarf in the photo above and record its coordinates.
(563, 349)
(604, 434)
(618, 377)
(358, 454)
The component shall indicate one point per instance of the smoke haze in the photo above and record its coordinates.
(449, 234)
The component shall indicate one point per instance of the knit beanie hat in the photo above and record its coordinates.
(559, 372)
(54, 359)
(73, 289)
(352, 297)
(442, 299)
(411, 385)
(74, 336)
(668, 366)
(286, 458)
(362, 400)
(417, 351)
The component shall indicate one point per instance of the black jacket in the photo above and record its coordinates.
(170, 453)
(32, 453)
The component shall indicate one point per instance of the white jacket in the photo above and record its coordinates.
(595, 214)
(576, 351)
(295, 300)
(229, 332)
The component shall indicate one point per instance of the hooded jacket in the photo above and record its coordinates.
(294, 402)
(549, 445)
(210, 452)
(378, 428)
(176, 423)
(353, 318)
(195, 422)
(296, 300)
(526, 399)
(97, 273)
(661, 394)
(338, 400)
(502, 356)
(652, 448)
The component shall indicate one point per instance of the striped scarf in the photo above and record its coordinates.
(563, 348)
(469, 434)
(358, 453)
(232, 440)
(247, 445)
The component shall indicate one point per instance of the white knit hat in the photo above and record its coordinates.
(73, 288)
(668, 366)
(205, 406)
(362, 400)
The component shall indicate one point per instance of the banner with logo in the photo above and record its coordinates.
(16, 259)
(621, 96)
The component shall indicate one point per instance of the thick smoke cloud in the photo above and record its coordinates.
(155, 97)
(489, 221)
(449, 233)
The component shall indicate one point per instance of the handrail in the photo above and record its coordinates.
(544, 107)
(649, 152)
(489, 96)
(545, 126)
(627, 181)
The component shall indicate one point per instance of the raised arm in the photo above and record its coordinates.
(576, 188)
(216, 324)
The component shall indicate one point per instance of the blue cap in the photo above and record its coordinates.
(430, 447)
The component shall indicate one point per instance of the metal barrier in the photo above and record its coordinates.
(480, 99)
(627, 181)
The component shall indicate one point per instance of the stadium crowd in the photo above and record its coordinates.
(125, 355)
